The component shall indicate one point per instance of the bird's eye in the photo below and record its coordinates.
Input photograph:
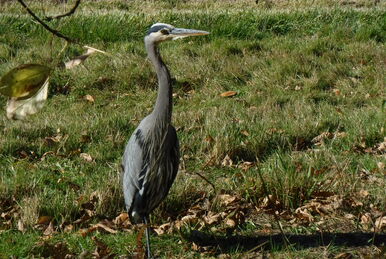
(165, 31)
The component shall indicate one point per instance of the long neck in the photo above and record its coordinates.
(163, 106)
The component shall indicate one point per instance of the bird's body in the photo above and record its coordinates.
(150, 161)
(153, 154)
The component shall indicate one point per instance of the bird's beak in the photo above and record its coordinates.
(179, 33)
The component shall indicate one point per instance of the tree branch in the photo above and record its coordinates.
(55, 32)
(206, 180)
(73, 9)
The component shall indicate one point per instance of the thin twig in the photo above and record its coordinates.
(285, 239)
(255, 248)
(55, 32)
(72, 11)
(206, 180)
(379, 227)
(64, 47)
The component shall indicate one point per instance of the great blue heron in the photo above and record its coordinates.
(150, 161)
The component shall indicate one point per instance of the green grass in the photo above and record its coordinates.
(300, 69)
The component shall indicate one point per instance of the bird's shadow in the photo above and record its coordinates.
(278, 242)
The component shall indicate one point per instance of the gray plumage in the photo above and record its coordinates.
(152, 153)
(150, 161)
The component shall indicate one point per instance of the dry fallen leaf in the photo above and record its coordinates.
(380, 223)
(86, 157)
(106, 228)
(363, 193)
(163, 229)
(366, 221)
(195, 247)
(44, 220)
(245, 133)
(20, 226)
(85, 231)
(209, 139)
(101, 250)
(104, 225)
(230, 222)
(382, 146)
(53, 140)
(49, 230)
(189, 218)
(82, 219)
(245, 166)
(226, 199)
(275, 130)
(323, 205)
(89, 98)
(320, 138)
(227, 161)
(185, 220)
(381, 165)
(355, 203)
(303, 214)
(212, 218)
(79, 59)
(68, 228)
(336, 91)
(228, 94)
(121, 218)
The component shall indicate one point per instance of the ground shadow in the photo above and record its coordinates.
(276, 241)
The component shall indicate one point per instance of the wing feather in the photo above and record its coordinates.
(149, 171)
(133, 164)
(174, 155)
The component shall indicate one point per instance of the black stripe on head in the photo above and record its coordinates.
(156, 28)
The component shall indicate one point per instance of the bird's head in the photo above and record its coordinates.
(160, 32)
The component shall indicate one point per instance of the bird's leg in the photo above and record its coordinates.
(147, 238)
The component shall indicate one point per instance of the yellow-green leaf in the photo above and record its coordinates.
(20, 108)
(24, 81)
